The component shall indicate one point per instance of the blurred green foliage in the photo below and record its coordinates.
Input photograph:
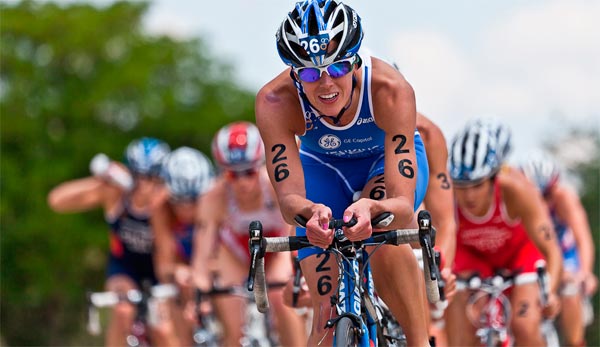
(77, 80)
(589, 172)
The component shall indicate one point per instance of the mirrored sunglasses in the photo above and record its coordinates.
(335, 70)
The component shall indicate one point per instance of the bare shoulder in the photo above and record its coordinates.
(430, 132)
(393, 97)
(565, 197)
(278, 105)
(514, 184)
(388, 80)
(212, 203)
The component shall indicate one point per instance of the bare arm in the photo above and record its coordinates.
(164, 243)
(277, 115)
(82, 195)
(209, 216)
(395, 113)
(524, 201)
(569, 209)
(439, 200)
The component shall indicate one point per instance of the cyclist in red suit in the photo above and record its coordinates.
(502, 224)
(241, 194)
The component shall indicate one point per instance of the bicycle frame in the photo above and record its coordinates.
(355, 277)
(354, 271)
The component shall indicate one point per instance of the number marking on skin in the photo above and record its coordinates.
(280, 172)
(404, 165)
(445, 184)
(406, 169)
(399, 149)
(378, 192)
(523, 307)
(324, 282)
(546, 230)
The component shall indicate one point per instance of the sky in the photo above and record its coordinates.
(534, 64)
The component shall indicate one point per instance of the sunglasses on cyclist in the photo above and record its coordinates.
(176, 200)
(242, 173)
(336, 69)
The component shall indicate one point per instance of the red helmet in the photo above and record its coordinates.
(238, 146)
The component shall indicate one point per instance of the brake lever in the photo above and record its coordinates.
(254, 244)
(425, 240)
(438, 274)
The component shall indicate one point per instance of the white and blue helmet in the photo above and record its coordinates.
(304, 36)
(187, 173)
(474, 155)
(145, 156)
(542, 170)
(499, 130)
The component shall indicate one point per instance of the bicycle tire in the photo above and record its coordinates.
(345, 333)
(490, 339)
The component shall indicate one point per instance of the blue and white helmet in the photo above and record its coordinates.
(542, 170)
(144, 156)
(187, 173)
(304, 36)
(499, 130)
(473, 155)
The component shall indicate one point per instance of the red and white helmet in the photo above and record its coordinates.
(238, 146)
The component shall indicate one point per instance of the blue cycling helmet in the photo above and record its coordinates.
(304, 37)
(499, 130)
(542, 170)
(473, 155)
(144, 156)
(187, 173)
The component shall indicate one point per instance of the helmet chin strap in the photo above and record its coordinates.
(335, 119)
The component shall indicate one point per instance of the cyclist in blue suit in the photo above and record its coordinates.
(360, 154)
(127, 193)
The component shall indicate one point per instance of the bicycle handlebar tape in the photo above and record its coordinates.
(431, 285)
(260, 290)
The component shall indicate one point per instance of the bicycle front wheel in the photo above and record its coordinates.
(345, 333)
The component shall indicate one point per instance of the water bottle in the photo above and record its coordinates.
(102, 166)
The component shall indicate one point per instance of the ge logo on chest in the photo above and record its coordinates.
(329, 141)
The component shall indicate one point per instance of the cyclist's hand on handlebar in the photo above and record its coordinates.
(450, 281)
(361, 211)
(317, 227)
(552, 308)
(589, 282)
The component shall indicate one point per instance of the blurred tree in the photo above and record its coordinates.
(76, 80)
(589, 172)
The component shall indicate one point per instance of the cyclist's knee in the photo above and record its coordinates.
(526, 328)
(123, 313)
(163, 330)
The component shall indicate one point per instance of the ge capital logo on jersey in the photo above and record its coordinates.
(329, 141)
